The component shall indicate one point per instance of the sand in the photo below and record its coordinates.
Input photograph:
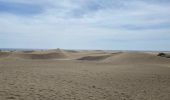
(84, 75)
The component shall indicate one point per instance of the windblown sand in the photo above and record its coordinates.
(63, 75)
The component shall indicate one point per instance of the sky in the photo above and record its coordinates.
(85, 24)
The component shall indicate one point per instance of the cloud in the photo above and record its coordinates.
(94, 23)
(20, 8)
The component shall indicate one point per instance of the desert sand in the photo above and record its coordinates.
(84, 75)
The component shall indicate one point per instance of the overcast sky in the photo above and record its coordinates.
(85, 24)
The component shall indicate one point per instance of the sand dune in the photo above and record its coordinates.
(126, 57)
(95, 76)
(42, 56)
(4, 54)
(136, 57)
(58, 54)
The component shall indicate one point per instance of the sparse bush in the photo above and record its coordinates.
(162, 54)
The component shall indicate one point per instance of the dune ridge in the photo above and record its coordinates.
(42, 56)
(117, 57)
(59, 54)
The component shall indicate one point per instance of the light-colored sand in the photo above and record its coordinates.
(117, 76)
(57, 54)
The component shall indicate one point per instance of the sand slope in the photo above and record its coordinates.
(119, 76)
(134, 57)
(94, 58)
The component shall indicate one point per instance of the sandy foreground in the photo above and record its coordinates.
(95, 75)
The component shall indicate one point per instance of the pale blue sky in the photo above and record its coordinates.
(85, 24)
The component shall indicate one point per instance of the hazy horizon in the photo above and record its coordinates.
(85, 24)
